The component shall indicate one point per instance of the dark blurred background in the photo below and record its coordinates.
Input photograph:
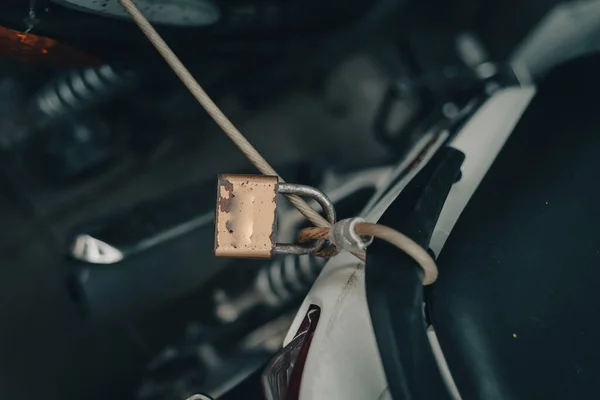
(108, 285)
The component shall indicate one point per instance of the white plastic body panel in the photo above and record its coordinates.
(344, 361)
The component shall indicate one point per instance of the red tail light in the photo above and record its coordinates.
(282, 377)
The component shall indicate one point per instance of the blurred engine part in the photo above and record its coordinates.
(59, 100)
(61, 134)
(73, 147)
(474, 55)
(80, 89)
(425, 97)
(127, 252)
(430, 85)
(169, 12)
(143, 227)
(403, 108)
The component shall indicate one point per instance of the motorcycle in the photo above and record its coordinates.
(487, 165)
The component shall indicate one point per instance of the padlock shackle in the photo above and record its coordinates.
(326, 205)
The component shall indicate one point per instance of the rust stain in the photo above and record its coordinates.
(273, 236)
(346, 290)
(351, 280)
(226, 195)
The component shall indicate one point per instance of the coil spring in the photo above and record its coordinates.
(79, 89)
(275, 285)
(286, 279)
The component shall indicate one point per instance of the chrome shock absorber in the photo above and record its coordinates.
(275, 285)
(288, 278)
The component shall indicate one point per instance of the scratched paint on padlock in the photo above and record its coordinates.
(246, 216)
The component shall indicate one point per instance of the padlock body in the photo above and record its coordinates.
(246, 216)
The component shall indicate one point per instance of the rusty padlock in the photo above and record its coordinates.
(246, 216)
